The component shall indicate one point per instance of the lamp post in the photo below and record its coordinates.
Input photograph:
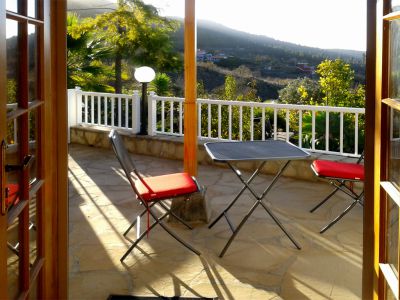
(144, 75)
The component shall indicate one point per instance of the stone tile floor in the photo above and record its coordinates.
(260, 264)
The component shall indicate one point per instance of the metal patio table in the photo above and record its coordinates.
(262, 151)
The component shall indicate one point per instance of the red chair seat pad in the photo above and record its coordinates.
(12, 198)
(336, 169)
(166, 186)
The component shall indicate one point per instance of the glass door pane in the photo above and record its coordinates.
(393, 236)
(13, 46)
(394, 150)
(12, 5)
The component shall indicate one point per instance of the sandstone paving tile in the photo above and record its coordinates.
(261, 263)
(97, 285)
(102, 164)
(315, 275)
(99, 257)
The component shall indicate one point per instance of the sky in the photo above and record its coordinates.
(329, 24)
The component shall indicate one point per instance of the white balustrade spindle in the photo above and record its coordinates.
(110, 108)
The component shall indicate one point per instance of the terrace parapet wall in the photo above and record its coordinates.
(171, 147)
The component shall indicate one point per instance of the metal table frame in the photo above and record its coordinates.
(246, 184)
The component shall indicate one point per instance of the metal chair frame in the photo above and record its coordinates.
(129, 168)
(340, 185)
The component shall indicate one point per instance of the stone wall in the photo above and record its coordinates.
(171, 147)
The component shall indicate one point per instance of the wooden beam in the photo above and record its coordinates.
(46, 288)
(60, 123)
(371, 232)
(3, 133)
(190, 108)
(54, 277)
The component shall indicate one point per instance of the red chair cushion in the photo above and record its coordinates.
(12, 198)
(334, 169)
(166, 186)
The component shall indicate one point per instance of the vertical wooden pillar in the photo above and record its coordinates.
(3, 134)
(371, 229)
(190, 106)
(60, 125)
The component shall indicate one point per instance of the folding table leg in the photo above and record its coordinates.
(259, 201)
(280, 225)
(262, 196)
(254, 175)
(238, 228)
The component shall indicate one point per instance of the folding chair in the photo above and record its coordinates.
(342, 176)
(12, 194)
(151, 191)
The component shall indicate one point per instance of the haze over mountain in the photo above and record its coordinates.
(211, 35)
(272, 63)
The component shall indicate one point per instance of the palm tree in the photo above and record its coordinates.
(86, 53)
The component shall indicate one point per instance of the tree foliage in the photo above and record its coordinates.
(161, 84)
(336, 81)
(86, 53)
(335, 88)
(230, 88)
(301, 91)
(135, 33)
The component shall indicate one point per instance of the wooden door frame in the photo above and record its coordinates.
(54, 276)
(377, 149)
(56, 153)
(372, 157)
(3, 109)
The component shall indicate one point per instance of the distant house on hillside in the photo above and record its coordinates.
(304, 67)
(203, 55)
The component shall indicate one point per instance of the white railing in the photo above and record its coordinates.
(325, 129)
(236, 120)
(10, 107)
(104, 109)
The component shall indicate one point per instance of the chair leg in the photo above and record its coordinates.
(142, 235)
(175, 216)
(326, 199)
(13, 248)
(158, 221)
(134, 221)
(174, 235)
(334, 221)
(178, 239)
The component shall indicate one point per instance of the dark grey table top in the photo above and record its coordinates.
(254, 150)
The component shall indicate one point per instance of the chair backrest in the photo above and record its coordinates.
(361, 158)
(124, 159)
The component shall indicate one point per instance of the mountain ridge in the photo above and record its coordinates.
(205, 27)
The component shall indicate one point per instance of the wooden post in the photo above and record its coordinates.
(372, 154)
(190, 107)
(3, 135)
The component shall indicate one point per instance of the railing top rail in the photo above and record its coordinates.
(359, 110)
(104, 94)
(12, 105)
(165, 98)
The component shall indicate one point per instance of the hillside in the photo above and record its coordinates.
(212, 35)
(271, 62)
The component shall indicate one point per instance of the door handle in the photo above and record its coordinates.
(3, 187)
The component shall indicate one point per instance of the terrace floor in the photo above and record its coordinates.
(260, 264)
